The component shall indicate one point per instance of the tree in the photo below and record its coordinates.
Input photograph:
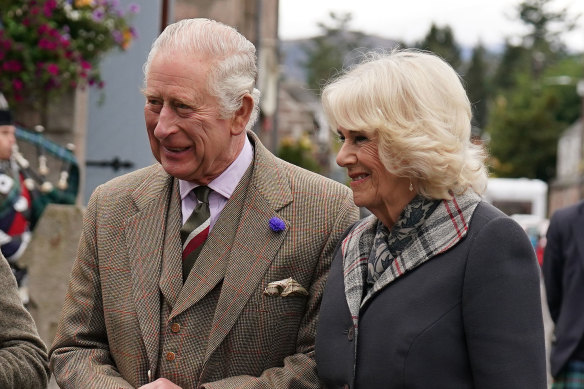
(440, 40)
(545, 26)
(528, 121)
(514, 60)
(531, 109)
(477, 88)
(326, 52)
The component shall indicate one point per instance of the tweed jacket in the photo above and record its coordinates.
(467, 318)
(563, 269)
(23, 355)
(110, 334)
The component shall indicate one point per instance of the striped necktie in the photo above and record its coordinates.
(195, 230)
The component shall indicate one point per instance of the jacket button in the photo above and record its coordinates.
(170, 356)
(351, 333)
(175, 327)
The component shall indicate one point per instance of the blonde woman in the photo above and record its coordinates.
(436, 289)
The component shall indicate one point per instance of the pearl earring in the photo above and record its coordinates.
(411, 187)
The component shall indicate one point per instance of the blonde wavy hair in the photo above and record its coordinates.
(415, 104)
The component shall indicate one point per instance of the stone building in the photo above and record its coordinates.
(568, 186)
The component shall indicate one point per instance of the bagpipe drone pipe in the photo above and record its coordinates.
(52, 175)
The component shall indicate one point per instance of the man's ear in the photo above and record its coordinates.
(242, 115)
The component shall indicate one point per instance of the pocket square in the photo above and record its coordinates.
(284, 288)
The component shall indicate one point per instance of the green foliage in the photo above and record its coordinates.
(536, 96)
(514, 60)
(326, 52)
(528, 120)
(477, 88)
(300, 153)
(545, 26)
(524, 134)
(440, 40)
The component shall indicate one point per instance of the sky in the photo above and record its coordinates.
(409, 20)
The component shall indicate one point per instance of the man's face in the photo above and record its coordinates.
(186, 133)
(7, 141)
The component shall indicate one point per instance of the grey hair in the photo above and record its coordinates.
(233, 71)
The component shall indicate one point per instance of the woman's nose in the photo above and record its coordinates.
(345, 156)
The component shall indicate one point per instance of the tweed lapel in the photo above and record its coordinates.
(170, 282)
(144, 236)
(255, 244)
(210, 266)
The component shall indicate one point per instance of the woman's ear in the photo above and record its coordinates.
(242, 115)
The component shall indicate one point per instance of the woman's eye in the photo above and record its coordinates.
(340, 138)
(361, 138)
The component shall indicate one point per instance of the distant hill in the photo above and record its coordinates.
(293, 55)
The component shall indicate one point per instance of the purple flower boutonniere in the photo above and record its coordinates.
(277, 224)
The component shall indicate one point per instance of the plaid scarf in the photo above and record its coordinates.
(389, 244)
(427, 234)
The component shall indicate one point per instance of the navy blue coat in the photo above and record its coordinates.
(468, 318)
(563, 269)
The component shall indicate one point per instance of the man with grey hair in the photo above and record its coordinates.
(205, 270)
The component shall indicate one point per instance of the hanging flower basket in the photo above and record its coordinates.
(48, 47)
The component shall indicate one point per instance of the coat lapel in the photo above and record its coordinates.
(170, 282)
(145, 232)
(255, 245)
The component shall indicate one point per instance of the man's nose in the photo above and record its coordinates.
(166, 123)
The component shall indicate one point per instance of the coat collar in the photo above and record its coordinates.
(442, 230)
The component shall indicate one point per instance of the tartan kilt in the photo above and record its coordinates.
(571, 376)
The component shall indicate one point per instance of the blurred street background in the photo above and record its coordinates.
(522, 63)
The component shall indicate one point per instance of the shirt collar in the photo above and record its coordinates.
(227, 181)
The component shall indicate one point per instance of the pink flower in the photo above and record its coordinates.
(47, 44)
(48, 8)
(17, 84)
(85, 65)
(43, 28)
(12, 66)
(53, 69)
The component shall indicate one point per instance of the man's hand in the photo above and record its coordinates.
(161, 383)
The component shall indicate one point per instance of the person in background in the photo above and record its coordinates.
(437, 288)
(23, 355)
(563, 274)
(206, 269)
(15, 200)
(20, 206)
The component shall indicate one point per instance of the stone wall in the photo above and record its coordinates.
(49, 259)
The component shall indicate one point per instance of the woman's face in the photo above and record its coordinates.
(374, 188)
